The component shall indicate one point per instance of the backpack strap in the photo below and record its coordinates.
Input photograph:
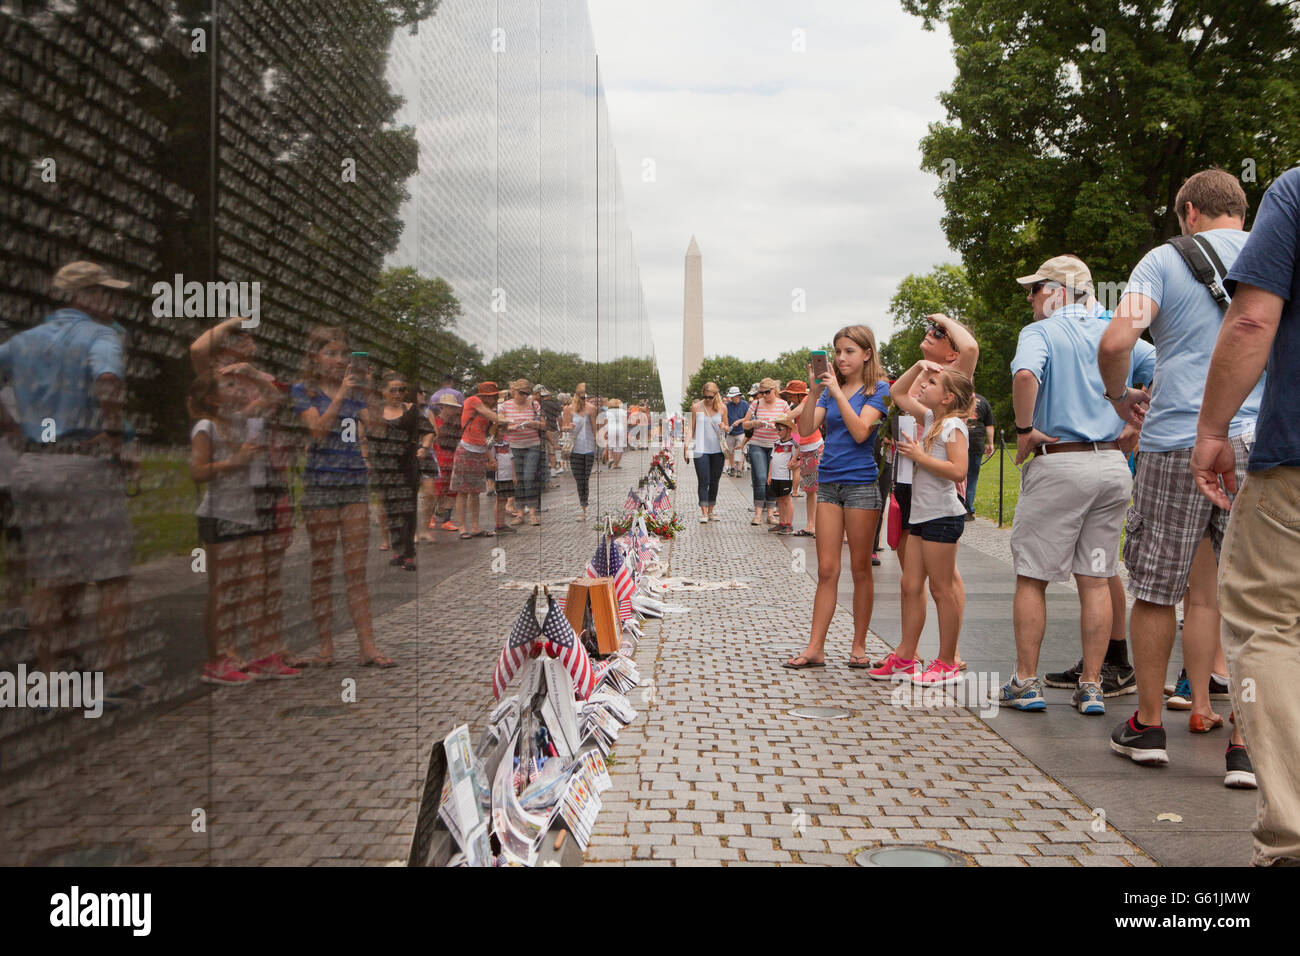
(1205, 265)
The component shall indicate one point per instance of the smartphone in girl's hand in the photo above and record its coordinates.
(820, 364)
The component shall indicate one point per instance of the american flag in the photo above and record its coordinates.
(632, 500)
(661, 499)
(519, 647)
(639, 539)
(559, 641)
(609, 563)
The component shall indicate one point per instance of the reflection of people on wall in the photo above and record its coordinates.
(229, 350)
(427, 465)
(580, 421)
(69, 485)
(615, 431)
(11, 538)
(445, 442)
(394, 449)
(469, 467)
(336, 400)
(525, 425)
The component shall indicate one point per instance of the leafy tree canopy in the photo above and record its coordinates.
(1071, 127)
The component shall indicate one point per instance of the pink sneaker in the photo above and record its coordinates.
(272, 668)
(894, 666)
(938, 674)
(224, 671)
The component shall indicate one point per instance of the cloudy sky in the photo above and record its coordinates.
(793, 170)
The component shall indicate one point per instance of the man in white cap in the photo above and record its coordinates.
(735, 437)
(69, 489)
(1076, 485)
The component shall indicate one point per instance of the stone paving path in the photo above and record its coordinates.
(716, 770)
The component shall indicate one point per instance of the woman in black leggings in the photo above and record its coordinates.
(393, 456)
(580, 418)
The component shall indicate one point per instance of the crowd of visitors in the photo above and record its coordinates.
(340, 431)
(1209, 514)
(1209, 509)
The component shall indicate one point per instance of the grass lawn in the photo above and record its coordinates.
(162, 515)
(986, 491)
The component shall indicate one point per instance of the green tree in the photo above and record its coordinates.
(412, 329)
(1071, 127)
(726, 371)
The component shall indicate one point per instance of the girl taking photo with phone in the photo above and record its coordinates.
(850, 401)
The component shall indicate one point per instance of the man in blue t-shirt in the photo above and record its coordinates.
(1168, 519)
(1074, 490)
(1261, 550)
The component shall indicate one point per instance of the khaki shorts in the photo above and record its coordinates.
(1070, 514)
(73, 515)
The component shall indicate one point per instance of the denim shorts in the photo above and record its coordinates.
(850, 494)
(943, 530)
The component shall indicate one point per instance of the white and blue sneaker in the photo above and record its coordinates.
(1088, 699)
(1022, 695)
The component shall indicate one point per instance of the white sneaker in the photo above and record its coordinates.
(704, 519)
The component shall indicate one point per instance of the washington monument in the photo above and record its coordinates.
(693, 316)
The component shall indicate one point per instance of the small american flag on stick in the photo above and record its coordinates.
(519, 647)
(609, 563)
(559, 641)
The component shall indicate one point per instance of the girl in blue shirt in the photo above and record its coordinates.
(337, 405)
(850, 402)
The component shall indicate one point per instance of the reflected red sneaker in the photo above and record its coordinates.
(224, 671)
(271, 668)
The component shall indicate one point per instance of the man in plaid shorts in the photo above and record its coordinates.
(1169, 518)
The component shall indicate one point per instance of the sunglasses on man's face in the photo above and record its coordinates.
(938, 332)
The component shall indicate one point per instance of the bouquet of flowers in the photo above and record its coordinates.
(664, 527)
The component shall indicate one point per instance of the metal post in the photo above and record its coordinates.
(1002, 464)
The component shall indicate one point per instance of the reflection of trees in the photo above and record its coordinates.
(412, 326)
(297, 93)
(629, 378)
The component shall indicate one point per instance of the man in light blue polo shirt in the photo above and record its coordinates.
(68, 487)
(1074, 491)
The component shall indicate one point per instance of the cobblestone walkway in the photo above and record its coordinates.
(716, 770)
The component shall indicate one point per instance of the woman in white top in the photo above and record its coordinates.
(705, 427)
(579, 417)
(615, 431)
(760, 425)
